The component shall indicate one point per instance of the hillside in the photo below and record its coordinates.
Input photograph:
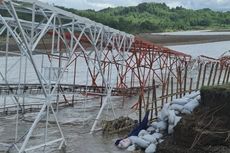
(156, 17)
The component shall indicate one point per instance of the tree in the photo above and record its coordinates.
(156, 17)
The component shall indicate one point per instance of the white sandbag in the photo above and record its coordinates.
(176, 107)
(198, 98)
(170, 129)
(142, 133)
(177, 112)
(161, 140)
(139, 142)
(171, 117)
(193, 95)
(150, 129)
(154, 125)
(177, 119)
(157, 135)
(125, 143)
(161, 125)
(180, 101)
(151, 148)
(190, 106)
(172, 125)
(163, 116)
(157, 131)
(131, 148)
(185, 111)
(150, 138)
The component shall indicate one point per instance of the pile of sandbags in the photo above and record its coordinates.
(165, 123)
(187, 104)
(145, 140)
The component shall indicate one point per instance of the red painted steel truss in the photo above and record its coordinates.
(143, 62)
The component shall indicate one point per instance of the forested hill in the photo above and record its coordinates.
(156, 17)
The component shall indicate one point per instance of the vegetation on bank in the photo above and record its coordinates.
(151, 17)
(157, 17)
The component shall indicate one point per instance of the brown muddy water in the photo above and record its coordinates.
(76, 123)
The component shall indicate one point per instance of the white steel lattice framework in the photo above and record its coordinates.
(27, 23)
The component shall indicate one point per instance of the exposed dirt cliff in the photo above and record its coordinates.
(207, 130)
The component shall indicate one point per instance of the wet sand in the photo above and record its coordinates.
(172, 40)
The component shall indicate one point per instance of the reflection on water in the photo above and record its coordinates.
(214, 49)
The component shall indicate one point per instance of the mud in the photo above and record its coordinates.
(122, 124)
(171, 40)
(169, 146)
(207, 130)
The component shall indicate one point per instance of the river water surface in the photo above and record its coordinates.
(76, 122)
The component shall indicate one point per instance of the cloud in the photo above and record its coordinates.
(100, 4)
(197, 4)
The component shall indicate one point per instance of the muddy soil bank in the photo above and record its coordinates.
(207, 130)
(171, 40)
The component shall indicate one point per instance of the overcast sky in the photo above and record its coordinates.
(100, 4)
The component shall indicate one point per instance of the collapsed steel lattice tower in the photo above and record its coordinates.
(113, 59)
(28, 32)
